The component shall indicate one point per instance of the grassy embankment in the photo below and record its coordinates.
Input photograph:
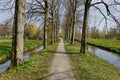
(5, 46)
(36, 67)
(90, 67)
(113, 45)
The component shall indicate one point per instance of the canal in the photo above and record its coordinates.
(4, 66)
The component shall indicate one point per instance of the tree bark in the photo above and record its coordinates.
(46, 23)
(85, 25)
(52, 38)
(73, 22)
(18, 34)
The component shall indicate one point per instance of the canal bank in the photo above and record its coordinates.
(35, 68)
(105, 54)
(110, 57)
(5, 65)
(90, 67)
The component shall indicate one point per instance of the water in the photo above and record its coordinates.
(110, 57)
(5, 66)
(28, 54)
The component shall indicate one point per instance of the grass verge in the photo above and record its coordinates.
(113, 45)
(90, 67)
(5, 46)
(36, 67)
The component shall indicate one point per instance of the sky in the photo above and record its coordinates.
(5, 14)
(95, 15)
(94, 18)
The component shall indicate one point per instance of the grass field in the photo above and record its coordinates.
(109, 44)
(90, 67)
(5, 46)
(36, 67)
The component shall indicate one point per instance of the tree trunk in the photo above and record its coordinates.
(54, 33)
(68, 33)
(73, 31)
(45, 24)
(52, 38)
(18, 34)
(70, 30)
(85, 25)
(73, 22)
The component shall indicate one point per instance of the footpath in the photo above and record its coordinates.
(60, 68)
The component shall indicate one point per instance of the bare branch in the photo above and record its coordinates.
(96, 3)
(101, 13)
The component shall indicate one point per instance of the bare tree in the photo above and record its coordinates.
(88, 4)
(74, 6)
(46, 23)
(18, 34)
(85, 25)
(71, 18)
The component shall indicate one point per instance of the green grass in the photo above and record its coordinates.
(90, 67)
(5, 46)
(112, 44)
(30, 44)
(36, 67)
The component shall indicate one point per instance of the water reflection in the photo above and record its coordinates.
(110, 57)
(26, 55)
(4, 66)
(40, 48)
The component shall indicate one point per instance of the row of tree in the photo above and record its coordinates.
(96, 33)
(5, 30)
(30, 32)
(78, 11)
(44, 12)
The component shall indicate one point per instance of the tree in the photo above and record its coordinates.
(57, 19)
(67, 24)
(54, 17)
(85, 25)
(39, 9)
(31, 30)
(95, 33)
(6, 30)
(74, 6)
(86, 15)
(18, 34)
(46, 23)
(112, 33)
(71, 18)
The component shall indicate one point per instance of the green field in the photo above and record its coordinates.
(36, 67)
(5, 46)
(90, 67)
(109, 44)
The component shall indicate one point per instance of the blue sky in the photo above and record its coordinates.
(94, 18)
(95, 15)
(4, 16)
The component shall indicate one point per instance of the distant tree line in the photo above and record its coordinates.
(5, 31)
(112, 33)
